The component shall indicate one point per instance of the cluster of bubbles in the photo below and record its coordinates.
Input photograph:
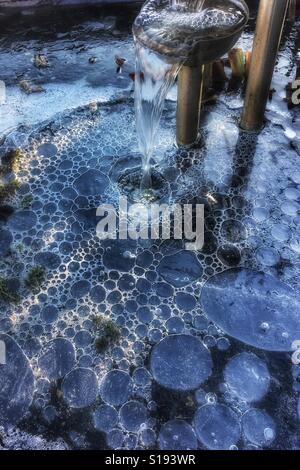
(197, 328)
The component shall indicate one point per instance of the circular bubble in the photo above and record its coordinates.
(144, 259)
(164, 290)
(5, 241)
(97, 294)
(217, 426)
(16, 382)
(280, 232)
(80, 387)
(180, 362)
(133, 415)
(47, 150)
(48, 260)
(91, 183)
(49, 314)
(118, 255)
(295, 177)
(175, 325)
(105, 418)
(180, 269)
(185, 301)
(240, 300)
(22, 221)
(295, 245)
(177, 435)
(247, 377)
(80, 289)
(223, 344)
(293, 194)
(126, 282)
(258, 427)
(83, 338)
(115, 438)
(229, 255)
(148, 437)
(116, 387)
(290, 208)
(57, 359)
(233, 231)
(144, 315)
(267, 257)
(260, 214)
(32, 347)
(141, 376)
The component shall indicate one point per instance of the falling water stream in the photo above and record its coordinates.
(177, 25)
(154, 78)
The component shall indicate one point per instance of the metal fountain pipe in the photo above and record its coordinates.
(270, 22)
(189, 98)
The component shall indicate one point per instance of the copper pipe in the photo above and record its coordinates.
(270, 22)
(190, 84)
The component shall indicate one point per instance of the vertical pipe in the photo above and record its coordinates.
(267, 38)
(190, 84)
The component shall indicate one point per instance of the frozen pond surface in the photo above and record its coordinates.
(143, 344)
(70, 39)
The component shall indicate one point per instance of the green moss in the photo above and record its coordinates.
(98, 320)
(101, 344)
(19, 248)
(8, 189)
(35, 277)
(108, 331)
(11, 161)
(112, 330)
(26, 201)
(6, 294)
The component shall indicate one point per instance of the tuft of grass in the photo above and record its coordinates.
(11, 161)
(101, 344)
(109, 332)
(8, 189)
(35, 278)
(6, 294)
(98, 320)
(26, 201)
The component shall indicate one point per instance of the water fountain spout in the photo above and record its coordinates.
(189, 33)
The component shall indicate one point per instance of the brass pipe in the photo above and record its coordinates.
(270, 22)
(190, 84)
